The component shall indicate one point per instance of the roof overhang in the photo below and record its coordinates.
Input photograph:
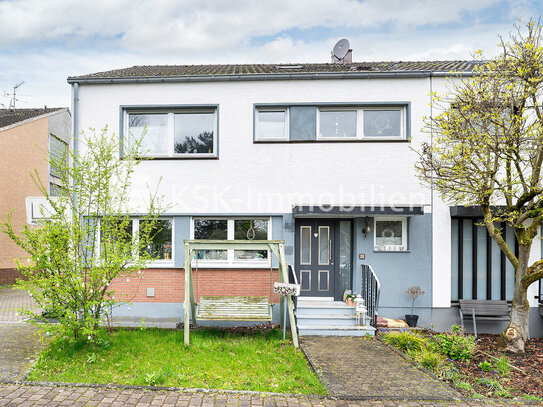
(351, 211)
(265, 77)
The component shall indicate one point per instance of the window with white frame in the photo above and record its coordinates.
(337, 123)
(361, 123)
(178, 133)
(383, 123)
(390, 234)
(232, 229)
(271, 124)
(127, 231)
(334, 122)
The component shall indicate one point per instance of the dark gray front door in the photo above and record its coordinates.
(315, 255)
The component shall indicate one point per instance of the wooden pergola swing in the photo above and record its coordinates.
(235, 308)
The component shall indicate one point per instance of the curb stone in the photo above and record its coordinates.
(262, 395)
(160, 388)
(316, 369)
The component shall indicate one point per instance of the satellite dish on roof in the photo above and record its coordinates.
(340, 49)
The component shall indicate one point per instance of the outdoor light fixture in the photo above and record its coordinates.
(367, 227)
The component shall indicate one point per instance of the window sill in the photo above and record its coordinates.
(160, 264)
(324, 141)
(226, 265)
(180, 157)
(392, 251)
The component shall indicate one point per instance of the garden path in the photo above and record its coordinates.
(18, 343)
(354, 367)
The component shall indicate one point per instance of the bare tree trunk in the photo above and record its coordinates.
(516, 333)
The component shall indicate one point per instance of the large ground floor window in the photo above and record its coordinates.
(479, 268)
(160, 247)
(231, 229)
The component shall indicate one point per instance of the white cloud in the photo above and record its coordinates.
(189, 25)
(43, 42)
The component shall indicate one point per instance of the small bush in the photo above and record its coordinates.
(405, 340)
(486, 366)
(455, 346)
(429, 359)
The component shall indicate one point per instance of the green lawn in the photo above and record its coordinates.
(216, 359)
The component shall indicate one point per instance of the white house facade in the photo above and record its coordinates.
(321, 156)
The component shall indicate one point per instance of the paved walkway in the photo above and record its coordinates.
(352, 367)
(18, 344)
(22, 395)
(11, 301)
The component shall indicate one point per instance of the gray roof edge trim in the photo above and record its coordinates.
(265, 77)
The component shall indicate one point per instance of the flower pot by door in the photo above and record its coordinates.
(412, 320)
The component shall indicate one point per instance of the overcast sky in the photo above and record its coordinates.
(44, 41)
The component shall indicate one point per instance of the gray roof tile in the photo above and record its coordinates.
(13, 116)
(172, 71)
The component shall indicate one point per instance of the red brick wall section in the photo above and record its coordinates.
(9, 275)
(169, 284)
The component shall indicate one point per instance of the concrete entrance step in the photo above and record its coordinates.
(327, 330)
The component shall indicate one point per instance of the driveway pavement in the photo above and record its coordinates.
(19, 345)
(11, 301)
(365, 368)
(22, 395)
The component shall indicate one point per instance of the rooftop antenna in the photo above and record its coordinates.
(340, 50)
(13, 96)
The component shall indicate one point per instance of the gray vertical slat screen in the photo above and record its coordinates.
(479, 269)
(303, 123)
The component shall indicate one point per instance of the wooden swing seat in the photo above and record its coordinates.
(222, 308)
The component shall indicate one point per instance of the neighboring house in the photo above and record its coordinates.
(319, 155)
(27, 136)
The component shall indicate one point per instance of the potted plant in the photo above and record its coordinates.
(349, 299)
(414, 292)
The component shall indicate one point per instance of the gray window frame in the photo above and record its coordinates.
(404, 106)
(125, 110)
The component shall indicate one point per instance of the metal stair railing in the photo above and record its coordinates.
(370, 290)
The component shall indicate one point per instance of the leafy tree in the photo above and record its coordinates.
(487, 150)
(86, 244)
(202, 144)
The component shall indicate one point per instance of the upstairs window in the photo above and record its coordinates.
(383, 123)
(176, 133)
(329, 123)
(272, 124)
(337, 124)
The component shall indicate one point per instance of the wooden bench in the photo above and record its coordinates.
(222, 308)
(488, 310)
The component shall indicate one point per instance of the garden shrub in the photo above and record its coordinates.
(486, 366)
(429, 359)
(455, 345)
(406, 341)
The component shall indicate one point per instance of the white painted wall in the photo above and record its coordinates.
(271, 178)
